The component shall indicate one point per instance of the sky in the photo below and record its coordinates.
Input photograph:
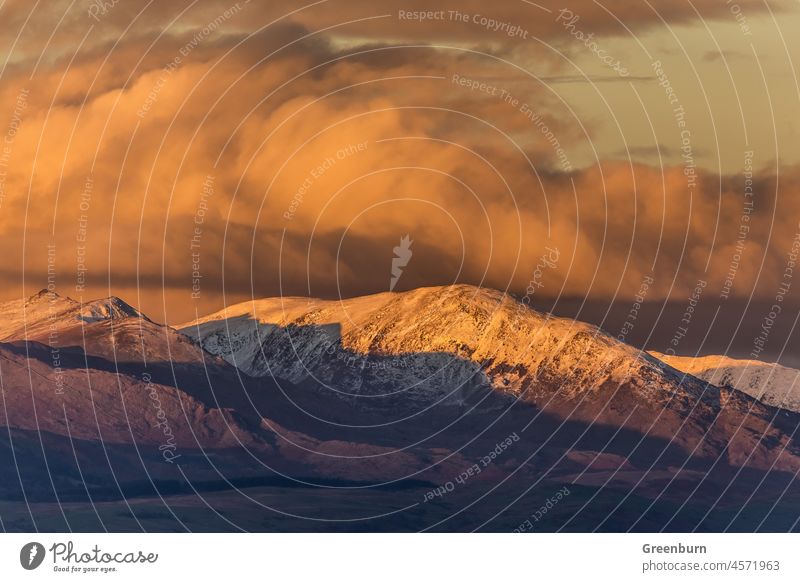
(606, 160)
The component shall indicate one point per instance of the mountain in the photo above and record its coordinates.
(107, 328)
(97, 395)
(447, 408)
(432, 342)
(46, 311)
(770, 383)
(401, 353)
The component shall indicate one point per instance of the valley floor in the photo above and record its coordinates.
(289, 509)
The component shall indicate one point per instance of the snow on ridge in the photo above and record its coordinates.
(462, 328)
(771, 383)
(46, 311)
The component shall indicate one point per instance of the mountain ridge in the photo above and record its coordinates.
(47, 311)
(507, 340)
(399, 387)
(770, 383)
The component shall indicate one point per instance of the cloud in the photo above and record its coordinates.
(62, 26)
(322, 154)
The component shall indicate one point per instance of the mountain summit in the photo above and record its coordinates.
(461, 347)
(46, 311)
(431, 339)
(770, 383)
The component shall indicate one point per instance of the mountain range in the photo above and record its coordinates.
(769, 382)
(445, 408)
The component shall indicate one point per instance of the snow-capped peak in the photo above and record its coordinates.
(47, 311)
(45, 295)
(109, 308)
(771, 383)
(428, 339)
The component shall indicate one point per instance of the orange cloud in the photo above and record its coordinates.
(323, 155)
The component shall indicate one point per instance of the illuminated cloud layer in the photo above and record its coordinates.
(269, 148)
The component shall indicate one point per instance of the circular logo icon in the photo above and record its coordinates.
(31, 555)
